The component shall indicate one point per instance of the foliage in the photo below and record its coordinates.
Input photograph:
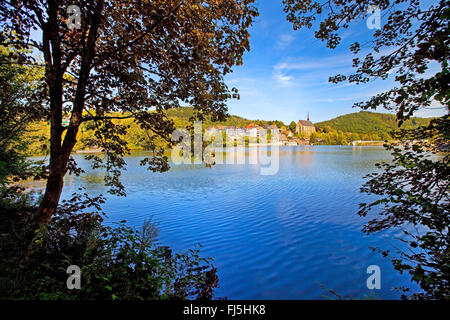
(363, 125)
(128, 57)
(36, 135)
(413, 195)
(370, 123)
(116, 262)
(414, 36)
(334, 137)
(17, 96)
(413, 189)
(293, 127)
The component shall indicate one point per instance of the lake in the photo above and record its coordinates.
(271, 236)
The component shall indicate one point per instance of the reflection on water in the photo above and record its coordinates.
(272, 237)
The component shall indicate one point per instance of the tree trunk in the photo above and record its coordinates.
(60, 150)
(55, 183)
(59, 159)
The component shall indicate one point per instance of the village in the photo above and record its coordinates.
(266, 134)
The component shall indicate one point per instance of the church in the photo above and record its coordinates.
(305, 126)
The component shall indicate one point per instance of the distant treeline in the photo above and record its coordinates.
(37, 134)
(181, 117)
(342, 130)
(369, 123)
(363, 125)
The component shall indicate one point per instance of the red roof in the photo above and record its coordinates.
(252, 125)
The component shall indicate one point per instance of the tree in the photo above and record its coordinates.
(17, 109)
(293, 127)
(413, 191)
(414, 36)
(327, 129)
(139, 58)
(314, 137)
(413, 196)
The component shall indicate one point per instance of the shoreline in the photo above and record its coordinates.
(96, 151)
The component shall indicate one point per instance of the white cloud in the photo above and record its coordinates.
(361, 96)
(436, 109)
(310, 71)
(285, 40)
(281, 78)
(311, 63)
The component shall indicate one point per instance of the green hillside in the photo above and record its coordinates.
(181, 117)
(365, 122)
(37, 134)
(342, 130)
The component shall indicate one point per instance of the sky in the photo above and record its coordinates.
(285, 74)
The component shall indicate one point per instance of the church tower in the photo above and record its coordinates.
(305, 126)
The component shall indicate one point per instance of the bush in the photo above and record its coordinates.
(116, 262)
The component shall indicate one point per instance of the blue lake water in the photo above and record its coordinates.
(271, 236)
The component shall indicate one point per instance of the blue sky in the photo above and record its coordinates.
(285, 75)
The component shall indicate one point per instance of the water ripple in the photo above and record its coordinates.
(272, 237)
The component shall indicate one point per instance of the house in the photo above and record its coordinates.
(211, 131)
(255, 130)
(288, 133)
(270, 127)
(282, 138)
(234, 132)
(230, 130)
(251, 126)
(261, 131)
(305, 127)
(291, 142)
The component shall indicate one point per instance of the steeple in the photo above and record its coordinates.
(307, 117)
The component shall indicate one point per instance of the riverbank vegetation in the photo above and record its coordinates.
(116, 262)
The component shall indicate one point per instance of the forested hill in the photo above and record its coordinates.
(341, 130)
(365, 122)
(181, 117)
(37, 133)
